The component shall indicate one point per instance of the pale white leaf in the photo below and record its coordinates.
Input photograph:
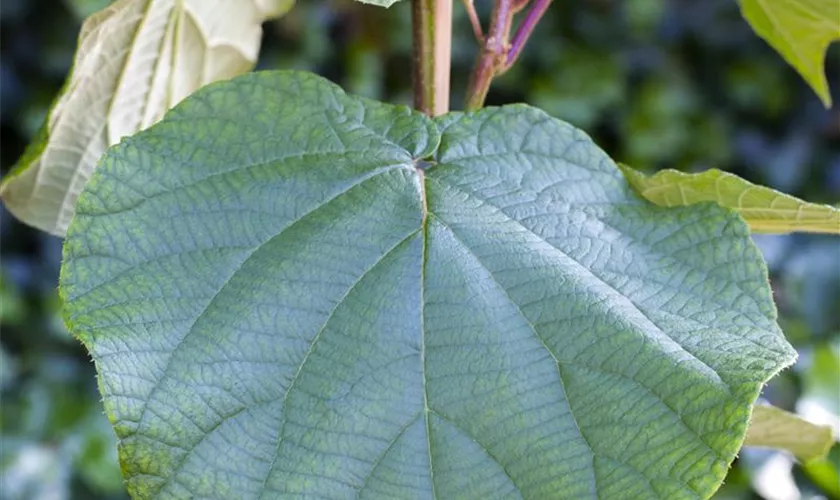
(135, 60)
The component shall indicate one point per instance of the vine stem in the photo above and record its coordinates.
(432, 31)
(525, 29)
(491, 58)
(497, 55)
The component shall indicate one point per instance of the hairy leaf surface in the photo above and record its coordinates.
(764, 209)
(801, 31)
(772, 427)
(136, 59)
(291, 291)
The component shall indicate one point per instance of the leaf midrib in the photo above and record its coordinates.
(421, 176)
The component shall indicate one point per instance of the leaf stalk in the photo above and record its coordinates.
(432, 32)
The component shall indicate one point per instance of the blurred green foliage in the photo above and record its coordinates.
(658, 83)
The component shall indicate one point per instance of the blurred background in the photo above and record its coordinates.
(658, 83)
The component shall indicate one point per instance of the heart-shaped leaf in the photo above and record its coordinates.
(292, 292)
(136, 59)
(765, 210)
(801, 31)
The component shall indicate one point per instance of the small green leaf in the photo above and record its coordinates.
(136, 59)
(289, 292)
(771, 427)
(801, 31)
(824, 473)
(765, 210)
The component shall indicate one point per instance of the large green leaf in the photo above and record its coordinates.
(288, 291)
(765, 210)
(801, 31)
(136, 59)
(772, 427)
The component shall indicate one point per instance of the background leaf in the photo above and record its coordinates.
(135, 60)
(380, 3)
(801, 31)
(765, 210)
(353, 300)
(771, 427)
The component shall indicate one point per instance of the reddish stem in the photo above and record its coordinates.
(492, 57)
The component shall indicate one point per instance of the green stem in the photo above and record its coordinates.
(432, 29)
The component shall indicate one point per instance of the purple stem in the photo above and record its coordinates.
(525, 29)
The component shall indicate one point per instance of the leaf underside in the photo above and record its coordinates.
(772, 427)
(765, 210)
(135, 60)
(799, 30)
(280, 304)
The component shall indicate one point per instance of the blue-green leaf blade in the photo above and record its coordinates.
(279, 303)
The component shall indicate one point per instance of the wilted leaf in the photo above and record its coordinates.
(289, 291)
(801, 31)
(772, 427)
(765, 210)
(135, 60)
